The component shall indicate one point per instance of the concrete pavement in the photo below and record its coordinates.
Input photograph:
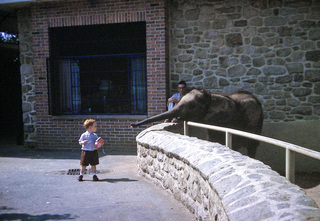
(35, 186)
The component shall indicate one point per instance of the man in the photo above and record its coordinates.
(175, 98)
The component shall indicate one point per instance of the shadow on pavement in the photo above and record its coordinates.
(24, 216)
(117, 180)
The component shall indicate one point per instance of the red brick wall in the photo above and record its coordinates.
(63, 132)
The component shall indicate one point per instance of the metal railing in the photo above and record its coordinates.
(290, 148)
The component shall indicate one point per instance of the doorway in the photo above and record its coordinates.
(11, 129)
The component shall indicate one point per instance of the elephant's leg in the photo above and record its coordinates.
(216, 136)
(252, 148)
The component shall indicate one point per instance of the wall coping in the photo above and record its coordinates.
(216, 183)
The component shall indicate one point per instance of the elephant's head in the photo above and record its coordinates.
(192, 107)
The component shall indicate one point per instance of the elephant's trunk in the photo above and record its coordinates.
(162, 116)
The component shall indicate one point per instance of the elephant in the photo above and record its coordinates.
(240, 110)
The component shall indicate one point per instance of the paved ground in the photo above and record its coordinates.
(34, 186)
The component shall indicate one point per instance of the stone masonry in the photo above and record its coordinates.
(216, 183)
(268, 47)
(27, 77)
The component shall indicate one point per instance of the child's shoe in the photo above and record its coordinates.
(80, 178)
(95, 178)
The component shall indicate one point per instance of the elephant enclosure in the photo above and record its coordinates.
(216, 183)
(307, 174)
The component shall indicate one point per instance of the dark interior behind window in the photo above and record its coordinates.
(98, 69)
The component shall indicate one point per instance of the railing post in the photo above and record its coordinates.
(290, 165)
(185, 128)
(228, 139)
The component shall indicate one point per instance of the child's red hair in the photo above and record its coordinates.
(88, 123)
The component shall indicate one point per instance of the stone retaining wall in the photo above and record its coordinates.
(216, 183)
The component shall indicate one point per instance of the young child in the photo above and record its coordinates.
(89, 153)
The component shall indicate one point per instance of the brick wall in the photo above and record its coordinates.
(63, 132)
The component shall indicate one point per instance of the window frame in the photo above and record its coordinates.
(54, 83)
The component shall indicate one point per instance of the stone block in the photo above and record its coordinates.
(244, 59)
(224, 61)
(226, 50)
(308, 46)
(197, 72)
(275, 3)
(223, 82)
(295, 67)
(233, 40)
(200, 54)
(313, 55)
(275, 21)
(219, 24)
(292, 41)
(302, 110)
(297, 56)
(317, 88)
(312, 75)
(185, 58)
(284, 79)
(258, 62)
(241, 23)
(314, 99)
(285, 31)
(177, 15)
(210, 82)
(284, 52)
(26, 107)
(273, 70)
(307, 24)
(192, 15)
(257, 41)
(260, 211)
(212, 35)
(192, 39)
(257, 21)
(250, 12)
(206, 9)
(236, 71)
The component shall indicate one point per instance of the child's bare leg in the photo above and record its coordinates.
(93, 169)
(83, 170)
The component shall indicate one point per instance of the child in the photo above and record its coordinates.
(89, 153)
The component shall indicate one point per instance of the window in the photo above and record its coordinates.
(98, 69)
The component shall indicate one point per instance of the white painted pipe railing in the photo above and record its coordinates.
(290, 148)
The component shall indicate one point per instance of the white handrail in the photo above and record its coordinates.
(290, 148)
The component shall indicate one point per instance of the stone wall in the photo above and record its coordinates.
(216, 183)
(27, 77)
(268, 47)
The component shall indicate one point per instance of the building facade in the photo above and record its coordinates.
(47, 60)
(270, 48)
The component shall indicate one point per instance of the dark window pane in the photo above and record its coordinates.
(98, 69)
